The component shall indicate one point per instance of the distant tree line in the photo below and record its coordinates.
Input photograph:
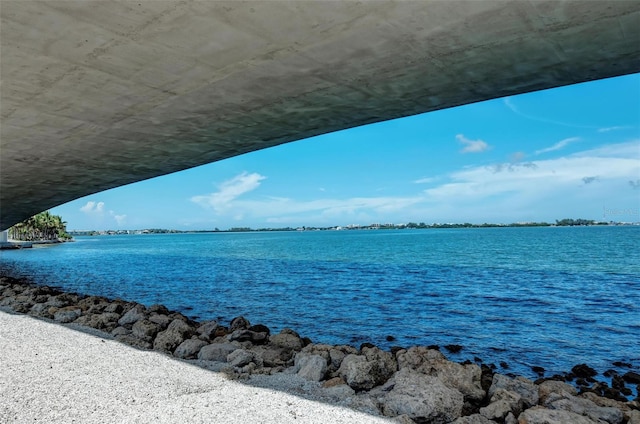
(43, 226)
(567, 222)
(411, 225)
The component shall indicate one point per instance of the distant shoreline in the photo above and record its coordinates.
(409, 226)
(20, 244)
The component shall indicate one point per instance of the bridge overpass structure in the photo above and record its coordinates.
(94, 95)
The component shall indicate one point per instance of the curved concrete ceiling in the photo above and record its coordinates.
(95, 95)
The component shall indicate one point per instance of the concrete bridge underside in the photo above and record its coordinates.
(95, 95)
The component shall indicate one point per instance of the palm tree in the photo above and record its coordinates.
(43, 226)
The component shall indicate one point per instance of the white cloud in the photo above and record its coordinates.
(517, 157)
(472, 146)
(540, 190)
(229, 191)
(96, 210)
(630, 150)
(226, 202)
(615, 128)
(425, 180)
(508, 102)
(120, 219)
(559, 145)
(537, 180)
(93, 207)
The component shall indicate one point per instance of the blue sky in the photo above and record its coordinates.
(570, 152)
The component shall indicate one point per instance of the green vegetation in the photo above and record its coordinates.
(43, 226)
(577, 222)
(411, 225)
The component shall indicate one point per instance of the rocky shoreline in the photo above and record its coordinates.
(414, 385)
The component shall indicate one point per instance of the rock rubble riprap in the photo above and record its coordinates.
(418, 384)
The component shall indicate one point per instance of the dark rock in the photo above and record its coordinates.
(473, 419)
(617, 382)
(583, 371)
(207, 330)
(486, 377)
(159, 309)
(216, 352)
(67, 314)
(614, 394)
(363, 372)
(631, 377)
(310, 367)
(548, 387)
(395, 349)
(520, 385)
(106, 321)
(240, 335)
(259, 338)
(24, 307)
(433, 347)
(366, 345)
(239, 323)
(259, 328)
(504, 365)
(67, 299)
(221, 331)
(169, 339)
(539, 415)
(189, 349)
(240, 358)
(336, 356)
(120, 331)
(464, 378)
(584, 407)
(287, 341)
(502, 403)
(538, 370)
(453, 348)
(274, 356)
(132, 316)
(178, 316)
(145, 330)
(289, 331)
(622, 364)
(162, 321)
(93, 304)
(248, 336)
(114, 307)
(40, 309)
(40, 298)
(423, 398)
(390, 338)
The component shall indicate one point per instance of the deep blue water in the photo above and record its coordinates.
(552, 297)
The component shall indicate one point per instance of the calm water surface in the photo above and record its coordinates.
(552, 297)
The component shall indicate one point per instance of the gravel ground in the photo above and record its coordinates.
(55, 374)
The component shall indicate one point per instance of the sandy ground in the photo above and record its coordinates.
(54, 374)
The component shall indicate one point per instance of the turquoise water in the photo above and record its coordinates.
(551, 297)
